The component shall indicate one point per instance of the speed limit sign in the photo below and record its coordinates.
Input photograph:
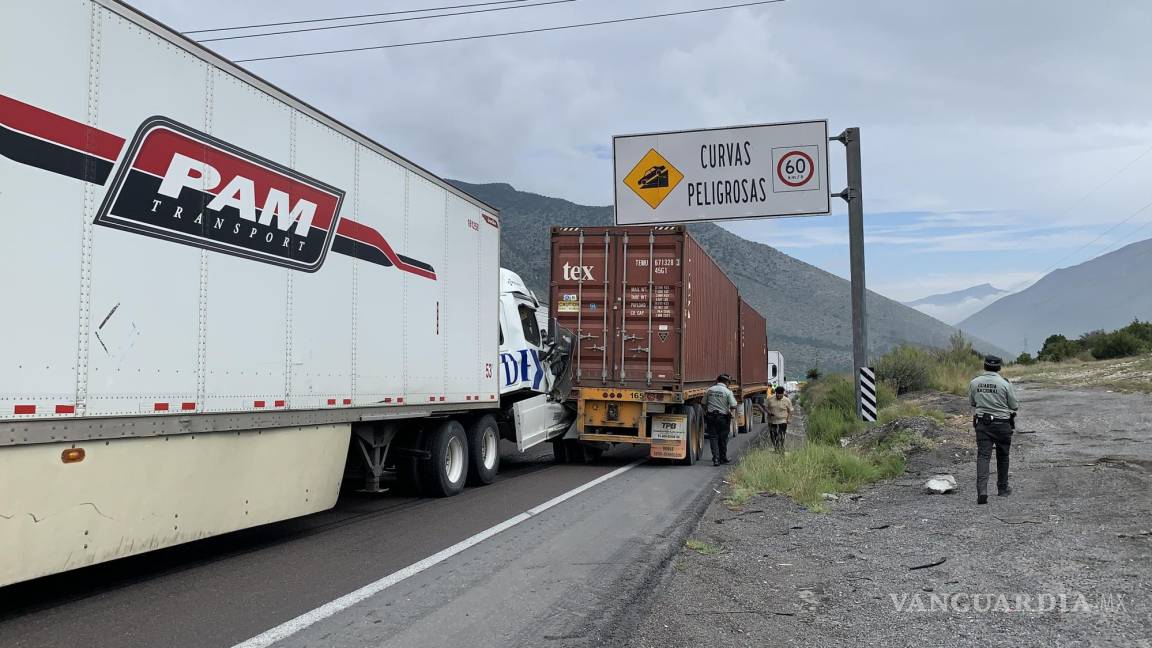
(796, 169)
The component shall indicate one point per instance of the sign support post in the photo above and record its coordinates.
(854, 196)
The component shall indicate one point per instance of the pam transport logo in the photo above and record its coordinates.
(186, 186)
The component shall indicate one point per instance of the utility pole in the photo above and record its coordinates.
(854, 196)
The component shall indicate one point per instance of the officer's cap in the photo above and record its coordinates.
(993, 363)
(724, 378)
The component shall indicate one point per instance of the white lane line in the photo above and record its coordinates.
(291, 627)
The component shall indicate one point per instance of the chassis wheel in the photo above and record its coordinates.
(444, 473)
(483, 451)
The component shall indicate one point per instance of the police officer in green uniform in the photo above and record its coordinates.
(719, 407)
(995, 401)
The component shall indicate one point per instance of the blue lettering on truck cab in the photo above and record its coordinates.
(522, 368)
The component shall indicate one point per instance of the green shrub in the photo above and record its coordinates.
(1057, 348)
(953, 377)
(1025, 359)
(1142, 330)
(813, 374)
(906, 368)
(1120, 344)
(959, 351)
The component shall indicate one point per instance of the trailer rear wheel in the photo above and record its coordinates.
(445, 472)
(483, 451)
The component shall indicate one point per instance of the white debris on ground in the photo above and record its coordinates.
(940, 484)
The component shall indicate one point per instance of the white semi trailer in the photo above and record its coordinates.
(220, 302)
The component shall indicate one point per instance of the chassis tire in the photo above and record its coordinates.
(483, 451)
(445, 472)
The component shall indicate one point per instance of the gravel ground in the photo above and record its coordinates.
(1075, 536)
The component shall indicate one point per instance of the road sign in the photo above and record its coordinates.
(762, 171)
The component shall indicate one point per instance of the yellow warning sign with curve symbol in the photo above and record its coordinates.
(653, 178)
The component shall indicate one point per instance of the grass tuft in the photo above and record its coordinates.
(703, 548)
(806, 474)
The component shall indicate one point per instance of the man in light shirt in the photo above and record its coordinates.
(778, 414)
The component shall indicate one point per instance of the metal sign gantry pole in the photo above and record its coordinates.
(854, 196)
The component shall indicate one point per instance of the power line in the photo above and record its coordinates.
(511, 33)
(1090, 243)
(353, 17)
(1076, 203)
(381, 22)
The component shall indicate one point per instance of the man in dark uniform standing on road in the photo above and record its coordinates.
(995, 401)
(719, 406)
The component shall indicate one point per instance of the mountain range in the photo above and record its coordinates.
(808, 309)
(983, 291)
(953, 307)
(1107, 293)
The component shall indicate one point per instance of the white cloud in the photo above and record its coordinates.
(955, 313)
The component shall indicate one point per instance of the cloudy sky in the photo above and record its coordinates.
(1001, 138)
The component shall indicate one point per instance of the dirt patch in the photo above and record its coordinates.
(1066, 560)
(1124, 375)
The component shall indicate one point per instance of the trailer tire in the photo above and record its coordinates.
(700, 430)
(747, 407)
(445, 472)
(483, 451)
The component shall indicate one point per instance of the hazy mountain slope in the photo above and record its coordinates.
(953, 307)
(808, 309)
(955, 297)
(1104, 293)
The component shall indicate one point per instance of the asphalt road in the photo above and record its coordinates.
(563, 576)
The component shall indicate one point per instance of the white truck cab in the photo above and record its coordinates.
(531, 369)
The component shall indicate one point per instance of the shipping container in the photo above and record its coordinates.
(656, 321)
(650, 308)
(753, 347)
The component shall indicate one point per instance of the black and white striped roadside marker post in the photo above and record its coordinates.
(868, 394)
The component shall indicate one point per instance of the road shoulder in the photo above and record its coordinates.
(869, 571)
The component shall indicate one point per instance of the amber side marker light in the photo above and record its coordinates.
(72, 455)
